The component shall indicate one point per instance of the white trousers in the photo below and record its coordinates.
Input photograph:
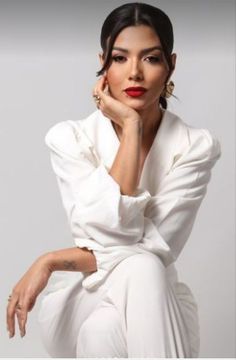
(135, 313)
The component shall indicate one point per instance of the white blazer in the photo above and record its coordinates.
(159, 217)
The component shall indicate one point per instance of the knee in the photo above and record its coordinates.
(102, 320)
(89, 339)
(99, 334)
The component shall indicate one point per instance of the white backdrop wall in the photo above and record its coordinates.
(48, 61)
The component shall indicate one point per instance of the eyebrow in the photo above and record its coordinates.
(144, 51)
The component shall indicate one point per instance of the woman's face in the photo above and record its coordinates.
(135, 64)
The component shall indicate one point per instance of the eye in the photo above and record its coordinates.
(153, 59)
(118, 58)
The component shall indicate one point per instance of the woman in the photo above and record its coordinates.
(132, 176)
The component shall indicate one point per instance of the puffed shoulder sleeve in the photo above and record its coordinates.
(170, 215)
(99, 215)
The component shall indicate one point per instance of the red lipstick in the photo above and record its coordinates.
(135, 91)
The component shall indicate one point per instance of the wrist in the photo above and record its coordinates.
(47, 261)
(133, 125)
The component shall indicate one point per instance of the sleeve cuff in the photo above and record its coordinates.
(129, 205)
(107, 259)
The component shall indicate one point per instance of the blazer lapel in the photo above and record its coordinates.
(168, 145)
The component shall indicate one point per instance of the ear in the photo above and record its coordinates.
(173, 59)
(101, 58)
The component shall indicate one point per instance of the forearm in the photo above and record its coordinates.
(125, 168)
(72, 259)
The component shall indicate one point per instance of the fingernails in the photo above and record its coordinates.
(10, 334)
(22, 331)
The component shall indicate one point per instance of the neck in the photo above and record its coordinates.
(151, 118)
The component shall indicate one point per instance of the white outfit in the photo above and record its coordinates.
(133, 305)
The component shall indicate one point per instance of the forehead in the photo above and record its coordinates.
(140, 35)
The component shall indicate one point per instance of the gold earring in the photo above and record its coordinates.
(167, 92)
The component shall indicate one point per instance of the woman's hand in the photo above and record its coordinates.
(25, 292)
(112, 108)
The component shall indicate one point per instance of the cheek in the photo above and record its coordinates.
(157, 80)
(113, 77)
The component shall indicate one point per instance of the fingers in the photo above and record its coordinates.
(100, 90)
(19, 308)
(103, 88)
(27, 305)
(100, 84)
(22, 318)
(11, 315)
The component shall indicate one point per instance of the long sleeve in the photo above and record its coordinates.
(105, 221)
(91, 197)
(100, 217)
(171, 213)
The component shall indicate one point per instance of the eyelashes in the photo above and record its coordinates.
(117, 58)
(152, 59)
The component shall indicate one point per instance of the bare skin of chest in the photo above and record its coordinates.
(143, 155)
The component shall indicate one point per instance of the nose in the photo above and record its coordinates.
(135, 71)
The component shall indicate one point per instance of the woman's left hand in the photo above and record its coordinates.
(25, 292)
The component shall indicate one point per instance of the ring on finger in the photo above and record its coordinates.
(18, 306)
(97, 98)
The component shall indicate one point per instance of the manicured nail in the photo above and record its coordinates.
(10, 334)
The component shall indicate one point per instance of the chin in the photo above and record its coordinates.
(133, 101)
(136, 104)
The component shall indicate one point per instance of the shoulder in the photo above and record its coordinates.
(205, 142)
(69, 137)
(200, 141)
(62, 135)
(70, 130)
(196, 143)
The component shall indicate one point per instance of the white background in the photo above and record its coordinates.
(48, 63)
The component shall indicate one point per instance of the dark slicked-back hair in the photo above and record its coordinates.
(134, 14)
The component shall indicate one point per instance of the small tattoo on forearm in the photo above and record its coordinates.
(69, 265)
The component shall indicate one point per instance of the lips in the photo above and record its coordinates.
(135, 91)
